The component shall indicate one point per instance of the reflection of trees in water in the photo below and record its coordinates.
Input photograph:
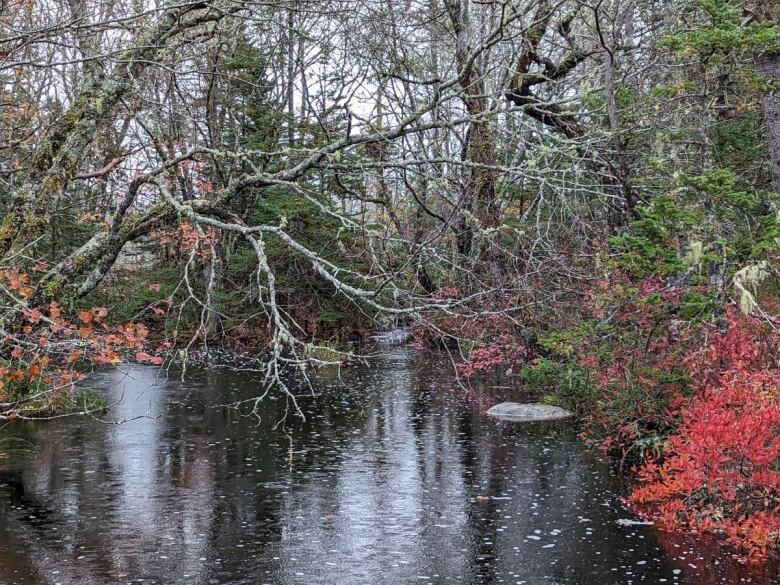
(108, 489)
(257, 511)
(395, 466)
(32, 524)
(502, 460)
(710, 565)
(485, 456)
(124, 495)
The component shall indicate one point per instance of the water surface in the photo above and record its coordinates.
(395, 477)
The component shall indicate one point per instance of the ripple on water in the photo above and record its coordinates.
(395, 478)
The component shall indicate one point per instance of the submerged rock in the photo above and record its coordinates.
(515, 411)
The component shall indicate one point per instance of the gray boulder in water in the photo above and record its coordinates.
(515, 411)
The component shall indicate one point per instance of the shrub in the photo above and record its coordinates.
(720, 469)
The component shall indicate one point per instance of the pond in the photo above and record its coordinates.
(395, 477)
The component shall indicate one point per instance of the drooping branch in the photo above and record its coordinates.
(57, 158)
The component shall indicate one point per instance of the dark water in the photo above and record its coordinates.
(394, 478)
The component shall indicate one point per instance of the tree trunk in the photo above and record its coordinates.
(479, 193)
(769, 64)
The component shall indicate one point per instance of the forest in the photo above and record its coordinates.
(578, 198)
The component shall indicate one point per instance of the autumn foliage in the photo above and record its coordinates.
(498, 346)
(720, 471)
(682, 389)
(46, 353)
(691, 394)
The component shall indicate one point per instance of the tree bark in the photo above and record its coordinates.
(478, 200)
(769, 64)
(612, 169)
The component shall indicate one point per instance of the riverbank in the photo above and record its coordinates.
(689, 403)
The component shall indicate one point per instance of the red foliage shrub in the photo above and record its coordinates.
(693, 398)
(634, 351)
(721, 469)
(185, 239)
(501, 353)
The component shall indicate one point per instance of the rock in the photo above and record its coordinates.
(396, 336)
(514, 411)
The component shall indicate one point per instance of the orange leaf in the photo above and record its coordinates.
(33, 316)
(144, 358)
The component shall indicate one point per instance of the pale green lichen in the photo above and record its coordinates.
(746, 282)
(694, 253)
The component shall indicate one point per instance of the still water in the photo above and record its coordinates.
(395, 477)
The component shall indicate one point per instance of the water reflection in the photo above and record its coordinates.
(394, 478)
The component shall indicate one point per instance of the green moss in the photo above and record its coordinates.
(9, 229)
(130, 222)
(54, 286)
(71, 117)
